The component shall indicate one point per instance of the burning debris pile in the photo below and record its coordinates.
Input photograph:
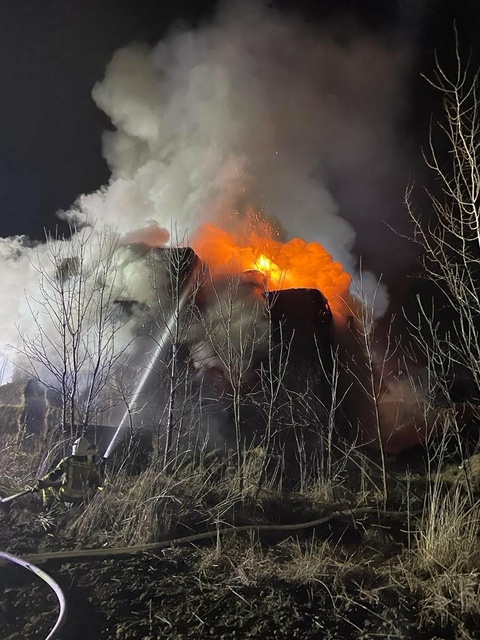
(211, 151)
(229, 353)
(203, 306)
(210, 336)
(284, 265)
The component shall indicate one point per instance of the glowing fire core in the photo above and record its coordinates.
(290, 265)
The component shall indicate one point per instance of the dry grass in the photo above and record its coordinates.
(137, 510)
(440, 569)
(247, 562)
(152, 505)
(443, 566)
(248, 482)
(16, 467)
(448, 536)
(322, 492)
(308, 562)
(23, 462)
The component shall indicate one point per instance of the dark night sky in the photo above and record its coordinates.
(53, 51)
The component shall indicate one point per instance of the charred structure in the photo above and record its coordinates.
(217, 360)
(289, 410)
(246, 367)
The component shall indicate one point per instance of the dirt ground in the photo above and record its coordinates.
(214, 589)
(165, 596)
(184, 593)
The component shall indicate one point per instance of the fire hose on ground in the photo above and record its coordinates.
(212, 535)
(154, 546)
(50, 582)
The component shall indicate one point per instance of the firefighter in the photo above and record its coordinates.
(75, 479)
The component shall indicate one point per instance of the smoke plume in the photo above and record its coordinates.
(253, 108)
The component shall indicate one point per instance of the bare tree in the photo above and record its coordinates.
(450, 238)
(73, 347)
(176, 300)
(234, 327)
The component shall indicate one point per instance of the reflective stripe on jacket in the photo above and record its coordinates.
(75, 475)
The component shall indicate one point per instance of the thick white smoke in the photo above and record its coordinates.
(253, 108)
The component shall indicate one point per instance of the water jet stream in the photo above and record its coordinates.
(162, 342)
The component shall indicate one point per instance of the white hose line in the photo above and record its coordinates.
(106, 552)
(51, 583)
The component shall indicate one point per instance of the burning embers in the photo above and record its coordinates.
(296, 264)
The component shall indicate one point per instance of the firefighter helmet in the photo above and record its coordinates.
(80, 447)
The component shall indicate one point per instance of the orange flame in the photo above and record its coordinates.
(295, 264)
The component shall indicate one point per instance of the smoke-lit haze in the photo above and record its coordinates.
(253, 109)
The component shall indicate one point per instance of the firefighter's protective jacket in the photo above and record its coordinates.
(75, 477)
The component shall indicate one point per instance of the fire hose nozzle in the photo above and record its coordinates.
(18, 495)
